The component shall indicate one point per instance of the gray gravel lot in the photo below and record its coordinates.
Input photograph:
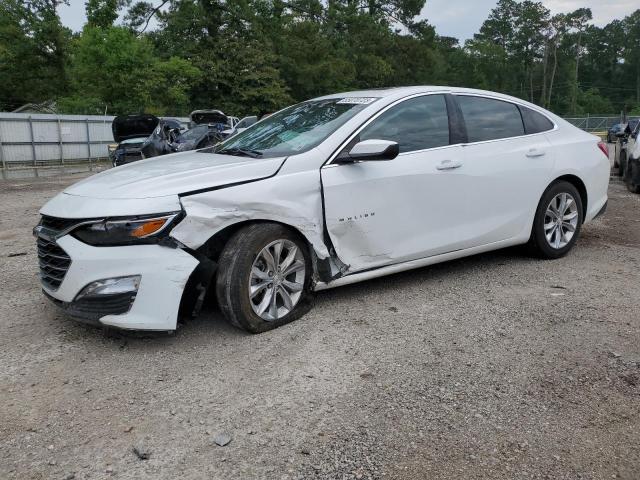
(497, 366)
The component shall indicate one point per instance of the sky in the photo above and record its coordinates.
(452, 18)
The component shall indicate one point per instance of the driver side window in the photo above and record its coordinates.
(416, 124)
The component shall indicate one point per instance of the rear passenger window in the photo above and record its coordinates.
(416, 124)
(489, 119)
(535, 122)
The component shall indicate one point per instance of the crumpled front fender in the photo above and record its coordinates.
(294, 199)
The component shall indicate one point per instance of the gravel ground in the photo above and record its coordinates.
(495, 367)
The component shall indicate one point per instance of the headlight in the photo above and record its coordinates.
(127, 231)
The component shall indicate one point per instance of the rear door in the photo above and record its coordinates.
(507, 161)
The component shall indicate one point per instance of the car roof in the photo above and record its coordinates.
(404, 91)
(395, 93)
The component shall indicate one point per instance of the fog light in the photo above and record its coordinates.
(111, 286)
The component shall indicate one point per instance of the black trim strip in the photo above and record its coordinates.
(602, 211)
(457, 126)
(229, 185)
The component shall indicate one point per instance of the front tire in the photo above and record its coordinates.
(557, 222)
(264, 278)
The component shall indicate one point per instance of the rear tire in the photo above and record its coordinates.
(243, 270)
(628, 178)
(621, 164)
(556, 225)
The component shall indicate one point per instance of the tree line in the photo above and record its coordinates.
(256, 56)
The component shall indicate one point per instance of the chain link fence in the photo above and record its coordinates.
(595, 123)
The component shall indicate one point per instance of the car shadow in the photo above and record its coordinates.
(433, 273)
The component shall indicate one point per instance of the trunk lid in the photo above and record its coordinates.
(124, 127)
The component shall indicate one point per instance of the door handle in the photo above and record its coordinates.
(449, 165)
(536, 152)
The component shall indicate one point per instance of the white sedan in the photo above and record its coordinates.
(328, 192)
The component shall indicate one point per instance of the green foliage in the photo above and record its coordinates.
(255, 56)
(33, 52)
(121, 70)
(592, 102)
(102, 13)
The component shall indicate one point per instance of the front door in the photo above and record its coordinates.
(385, 212)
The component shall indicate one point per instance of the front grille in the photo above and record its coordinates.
(54, 263)
(128, 157)
(53, 260)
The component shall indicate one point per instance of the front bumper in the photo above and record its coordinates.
(127, 155)
(164, 273)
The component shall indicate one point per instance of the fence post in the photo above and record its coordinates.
(2, 156)
(33, 144)
(587, 129)
(60, 141)
(88, 144)
(4, 161)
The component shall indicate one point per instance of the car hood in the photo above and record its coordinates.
(131, 126)
(174, 174)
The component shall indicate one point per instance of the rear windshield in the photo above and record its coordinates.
(296, 129)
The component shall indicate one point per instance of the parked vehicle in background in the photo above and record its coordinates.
(134, 133)
(161, 139)
(621, 159)
(130, 132)
(328, 192)
(241, 126)
(632, 160)
(200, 136)
(614, 132)
(216, 119)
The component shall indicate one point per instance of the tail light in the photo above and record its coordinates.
(604, 148)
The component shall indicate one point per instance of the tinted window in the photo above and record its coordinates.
(489, 119)
(416, 124)
(535, 122)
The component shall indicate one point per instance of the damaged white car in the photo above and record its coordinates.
(328, 192)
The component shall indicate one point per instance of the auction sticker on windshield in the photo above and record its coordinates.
(356, 101)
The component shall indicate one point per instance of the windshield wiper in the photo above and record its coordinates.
(243, 152)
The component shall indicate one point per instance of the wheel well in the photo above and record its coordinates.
(209, 253)
(213, 247)
(580, 186)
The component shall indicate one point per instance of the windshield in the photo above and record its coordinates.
(294, 130)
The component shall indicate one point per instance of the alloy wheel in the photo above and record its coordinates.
(561, 220)
(276, 281)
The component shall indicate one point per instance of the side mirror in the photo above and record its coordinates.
(372, 150)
